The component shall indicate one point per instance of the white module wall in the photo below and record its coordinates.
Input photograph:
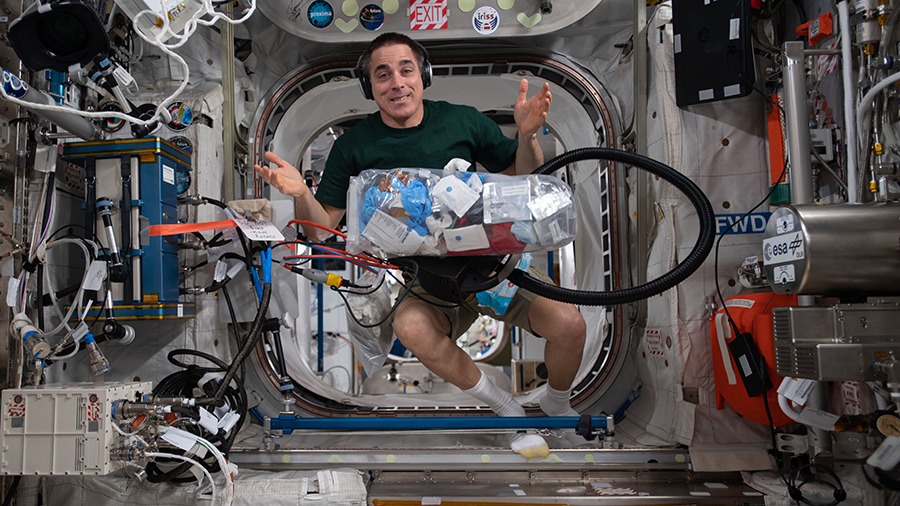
(63, 428)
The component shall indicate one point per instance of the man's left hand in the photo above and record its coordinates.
(531, 113)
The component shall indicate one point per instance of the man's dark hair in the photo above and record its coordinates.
(390, 39)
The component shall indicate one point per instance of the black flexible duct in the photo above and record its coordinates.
(687, 267)
(255, 331)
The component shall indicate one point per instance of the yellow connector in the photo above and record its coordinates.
(334, 280)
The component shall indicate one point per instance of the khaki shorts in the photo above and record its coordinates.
(461, 317)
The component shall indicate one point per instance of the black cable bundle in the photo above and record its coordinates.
(182, 384)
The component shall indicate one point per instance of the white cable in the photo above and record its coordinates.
(349, 376)
(72, 330)
(869, 97)
(71, 110)
(812, 418)
(87, 307)
(39, 233)
(54, 300)
(786, 407)
(224, 466)
(190, 461)
(129, 435)
(20, 372)
(189, 28)
(20, 294)
(850, 124)
(87, 256)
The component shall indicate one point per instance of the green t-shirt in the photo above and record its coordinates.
(447, 131)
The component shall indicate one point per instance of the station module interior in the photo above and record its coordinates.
(650, 368)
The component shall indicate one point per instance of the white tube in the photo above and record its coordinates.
(850, 123)
(881, 403)
(80, 243)
(786, 407)
(223, 466)
(190, 461)
(869, 98)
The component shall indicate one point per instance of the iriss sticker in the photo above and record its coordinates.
(486, 20)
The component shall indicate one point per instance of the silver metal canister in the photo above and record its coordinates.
(837, 249)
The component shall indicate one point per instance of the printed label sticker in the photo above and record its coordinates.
(653, 343)
(783, 248)
(428, 14)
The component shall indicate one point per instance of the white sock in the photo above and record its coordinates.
(502, 403)
(556, 402)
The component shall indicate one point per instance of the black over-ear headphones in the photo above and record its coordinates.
(365, 84)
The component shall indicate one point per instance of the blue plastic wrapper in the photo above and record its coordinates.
(375, 199)
(499, 297)
(416, 203)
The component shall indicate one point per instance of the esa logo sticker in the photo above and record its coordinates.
(320, 13)
(486, 20)
(371, 17)
(783, 248)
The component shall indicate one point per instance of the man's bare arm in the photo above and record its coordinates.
(530, 115)
(309, 209)
(287, 179)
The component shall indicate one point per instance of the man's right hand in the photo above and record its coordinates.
(284, 178)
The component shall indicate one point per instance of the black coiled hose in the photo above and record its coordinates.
(687, 267)
(256, 330)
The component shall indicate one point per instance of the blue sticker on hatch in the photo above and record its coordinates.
(320, 14)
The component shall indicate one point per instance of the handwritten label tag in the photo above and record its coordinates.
(259, 230)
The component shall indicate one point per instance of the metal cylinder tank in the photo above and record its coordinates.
(836, 250)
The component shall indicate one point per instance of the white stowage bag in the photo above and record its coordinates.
(370, 305)
(339, 487)
(406, 212)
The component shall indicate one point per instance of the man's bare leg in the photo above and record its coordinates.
(563, 328)
(425, 331)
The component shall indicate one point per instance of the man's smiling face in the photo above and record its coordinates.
(397, 85)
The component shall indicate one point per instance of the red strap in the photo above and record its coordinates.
(187, 228)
